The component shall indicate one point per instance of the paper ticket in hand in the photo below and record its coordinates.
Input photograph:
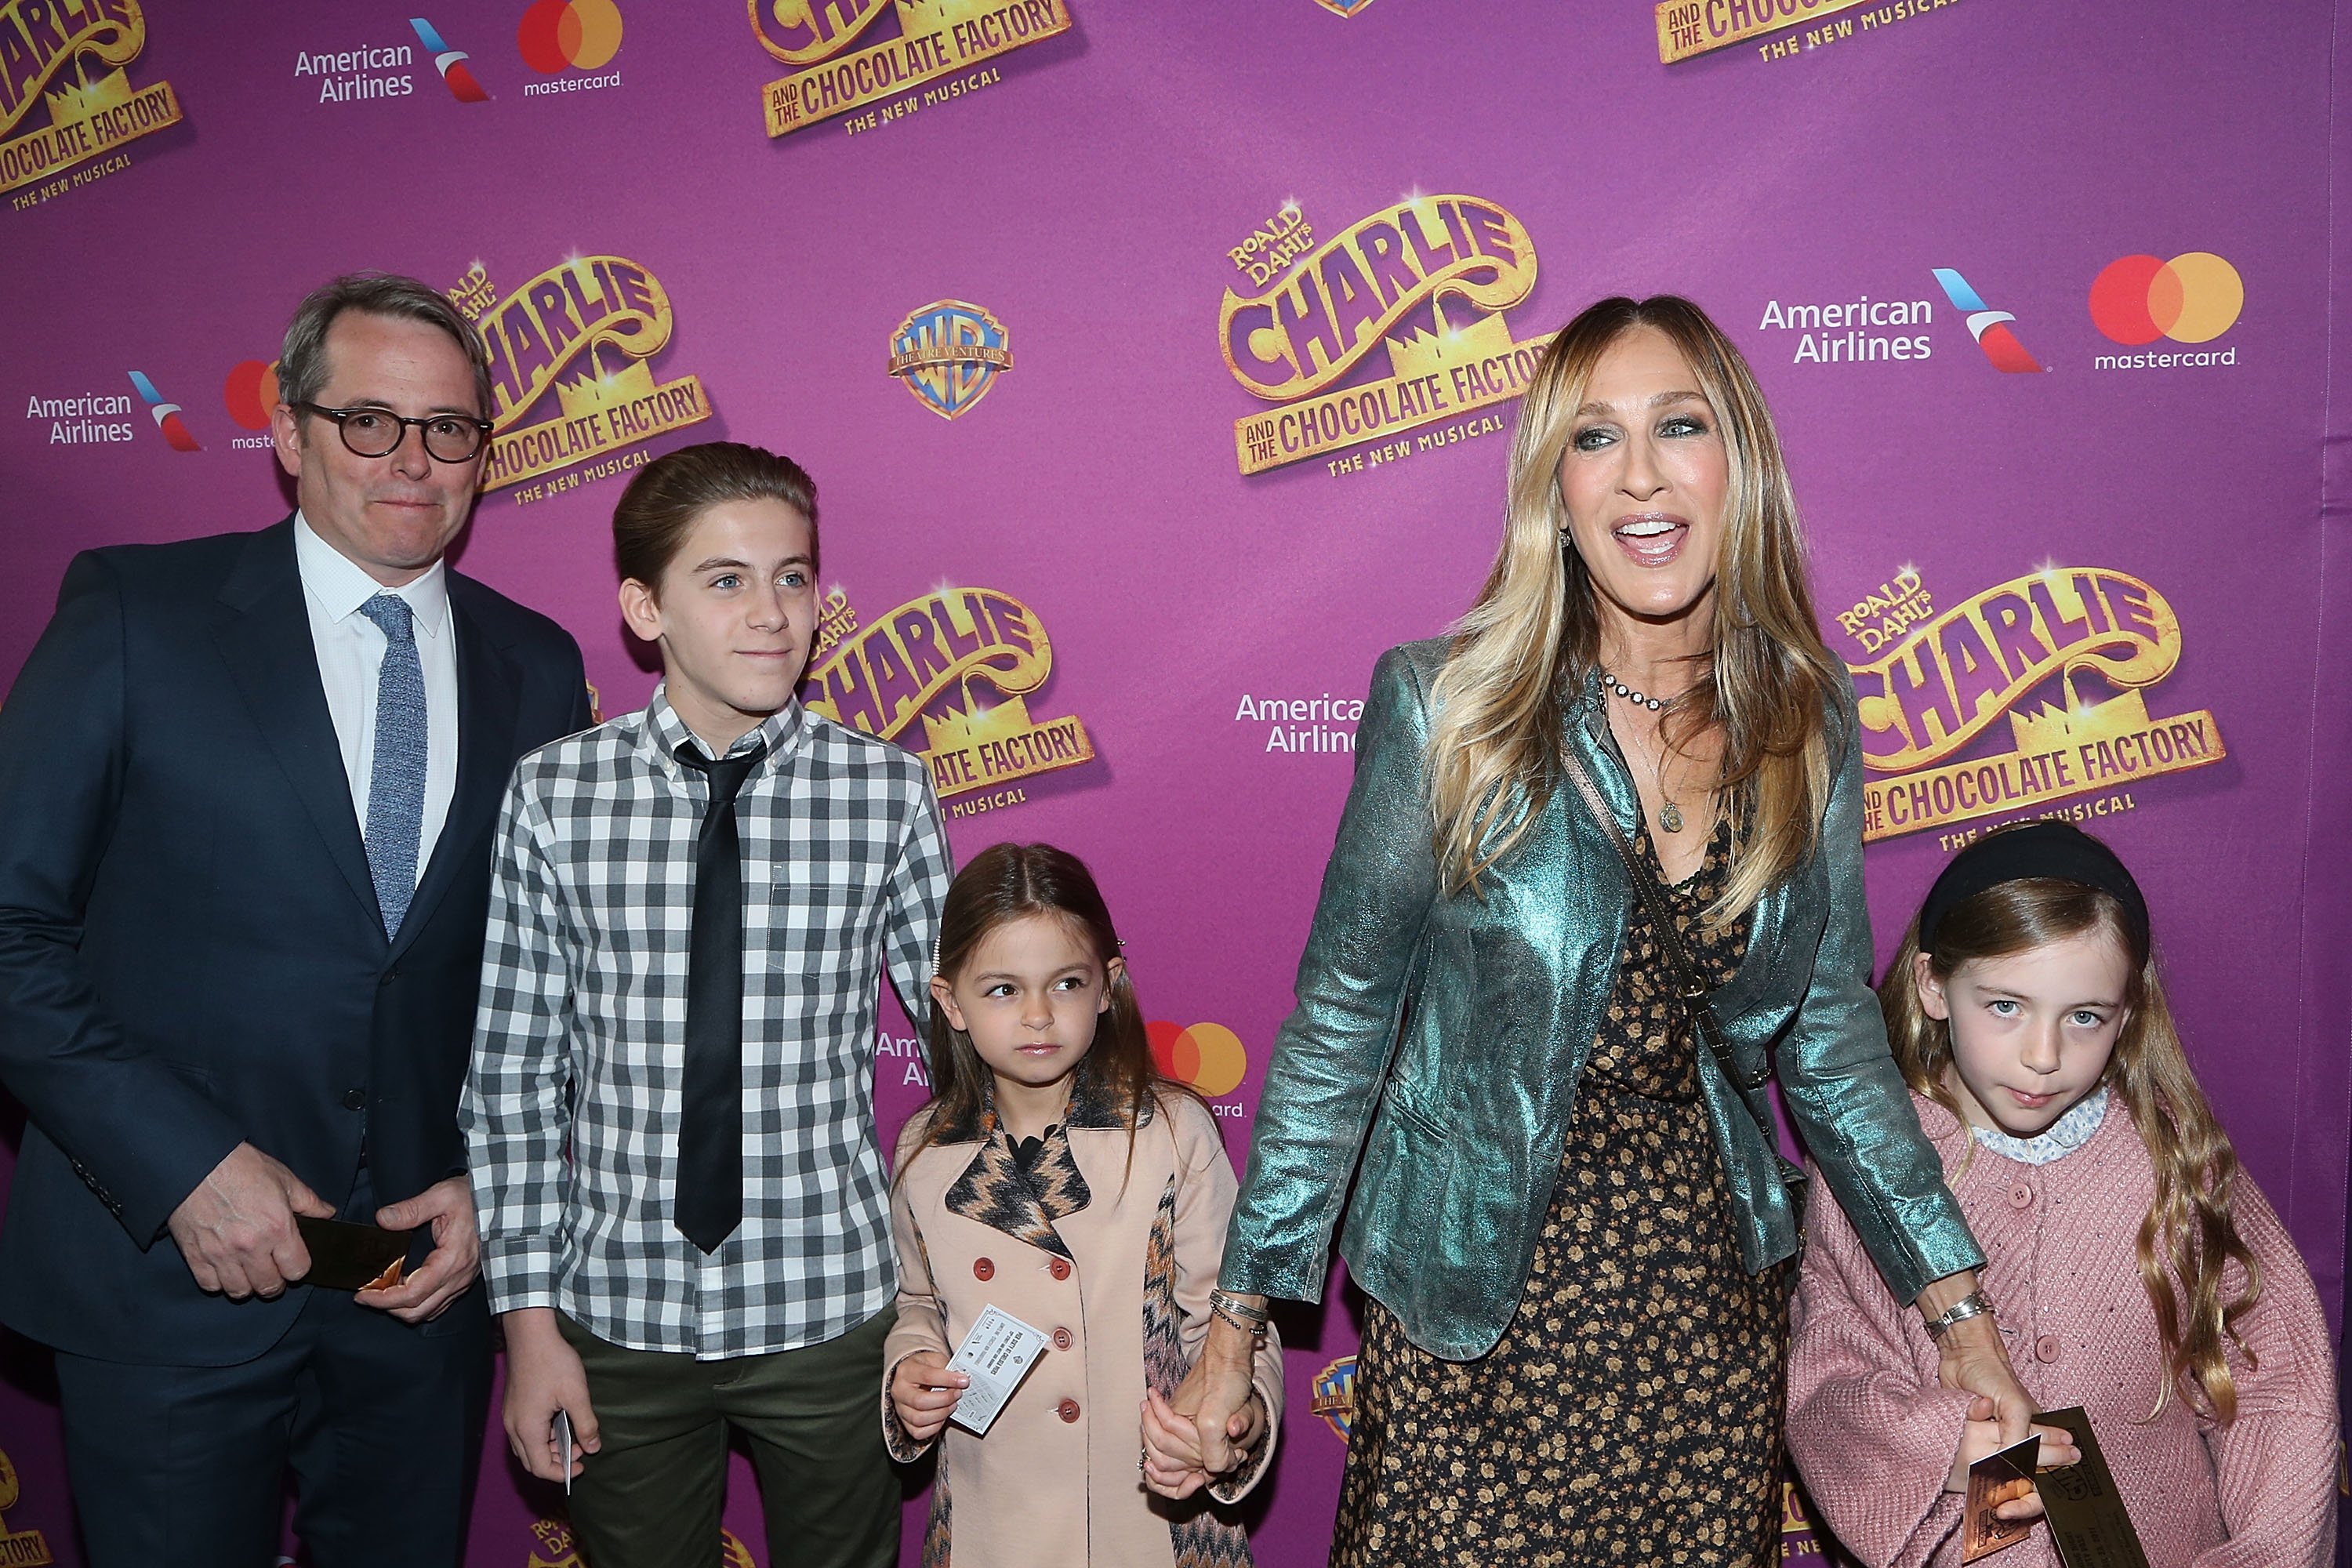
(997, 1354)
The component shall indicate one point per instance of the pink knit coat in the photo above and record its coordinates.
(1874, 1436)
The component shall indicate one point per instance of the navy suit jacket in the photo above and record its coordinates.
(191, 954)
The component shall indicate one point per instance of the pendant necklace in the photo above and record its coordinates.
(1669, 815)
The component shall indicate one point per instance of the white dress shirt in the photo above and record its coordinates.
(351, 660)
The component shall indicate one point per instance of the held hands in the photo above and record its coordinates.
(456, 1256)
(1981, 1435)
(543, 1376)
(236, 1229)
(1970, 1356)
(1172, 1462)
(1209, 1427)
(924, 1393)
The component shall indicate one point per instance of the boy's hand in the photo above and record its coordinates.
(1981, 1435)
(924, 1393)
(544, 1375)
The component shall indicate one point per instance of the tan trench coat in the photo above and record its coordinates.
(1095, 1254)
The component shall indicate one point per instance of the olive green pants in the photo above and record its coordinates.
(650, 1497)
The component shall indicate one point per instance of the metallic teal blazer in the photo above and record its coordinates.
(1458, 1117)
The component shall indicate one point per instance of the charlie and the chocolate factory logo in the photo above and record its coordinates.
(1427, 280)
(601, 318)
(55, 44)
(929, 659)
(929, 60)
(1947, 681)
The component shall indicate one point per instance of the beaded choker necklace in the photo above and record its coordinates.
(2055, 1141)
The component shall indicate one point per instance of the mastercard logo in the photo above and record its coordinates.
(251, 392)
(2191, 298)
(555, 34)
(1209, 1057)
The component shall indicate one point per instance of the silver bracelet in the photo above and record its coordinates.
(1255, 1330)
(1233, 1307)
(1974, 1304)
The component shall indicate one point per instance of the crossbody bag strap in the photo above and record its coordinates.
(1689, 990)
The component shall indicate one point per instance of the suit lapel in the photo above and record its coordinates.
(487, 700)
(267, 648)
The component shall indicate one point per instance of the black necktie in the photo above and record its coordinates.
(709, 1203)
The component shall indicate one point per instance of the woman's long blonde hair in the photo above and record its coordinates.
(2190, 1235)
(1534, 636)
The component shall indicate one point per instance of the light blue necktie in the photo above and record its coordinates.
(396, 807)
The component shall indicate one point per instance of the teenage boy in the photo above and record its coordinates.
(684, 1219)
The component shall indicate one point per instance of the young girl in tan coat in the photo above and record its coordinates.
(1054, 1175)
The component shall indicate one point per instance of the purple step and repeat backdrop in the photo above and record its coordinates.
(1157, 367)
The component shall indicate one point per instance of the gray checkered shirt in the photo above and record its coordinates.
(581, 1039)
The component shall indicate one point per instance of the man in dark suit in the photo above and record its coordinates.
(247, 787)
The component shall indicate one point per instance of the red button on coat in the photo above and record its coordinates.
(2046, 1348)
(1059, 1267)
(1063, 1340)
(981, 1269)
(2021, 1196)
(1068, 1410)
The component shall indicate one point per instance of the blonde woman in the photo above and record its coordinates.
(1574, 1232)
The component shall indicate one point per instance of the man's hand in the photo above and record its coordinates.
(1981, 1436)
(924, 1393)
(456, 1256)
(543, 1376)
(1970, 1356)
(236, 1229)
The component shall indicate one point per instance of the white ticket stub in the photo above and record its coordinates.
(998, 1354)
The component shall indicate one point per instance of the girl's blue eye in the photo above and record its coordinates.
(725, 580)
(2085, 1019)
(796, 579)
(2003, 1007)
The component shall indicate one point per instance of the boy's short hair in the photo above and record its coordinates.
(660, 505)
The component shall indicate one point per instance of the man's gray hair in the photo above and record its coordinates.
(302, 360)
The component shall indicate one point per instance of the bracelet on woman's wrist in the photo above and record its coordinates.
(1235, 1310)
(1974, 1304)
(1255, 1328)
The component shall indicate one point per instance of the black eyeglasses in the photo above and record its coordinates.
(378, 432)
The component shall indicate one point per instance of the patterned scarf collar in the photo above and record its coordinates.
(2055, 1141)
(1024, 1204)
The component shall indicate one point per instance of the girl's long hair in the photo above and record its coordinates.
(2190, 1236)
(1007, 882)
(1534, 636)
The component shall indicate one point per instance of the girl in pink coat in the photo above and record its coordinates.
(1055, 1177)
(2138, 1271)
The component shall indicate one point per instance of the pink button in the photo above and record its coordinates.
(2021, 1196)
(2046, 1348)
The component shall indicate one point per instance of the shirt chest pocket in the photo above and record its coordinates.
(813, 917)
